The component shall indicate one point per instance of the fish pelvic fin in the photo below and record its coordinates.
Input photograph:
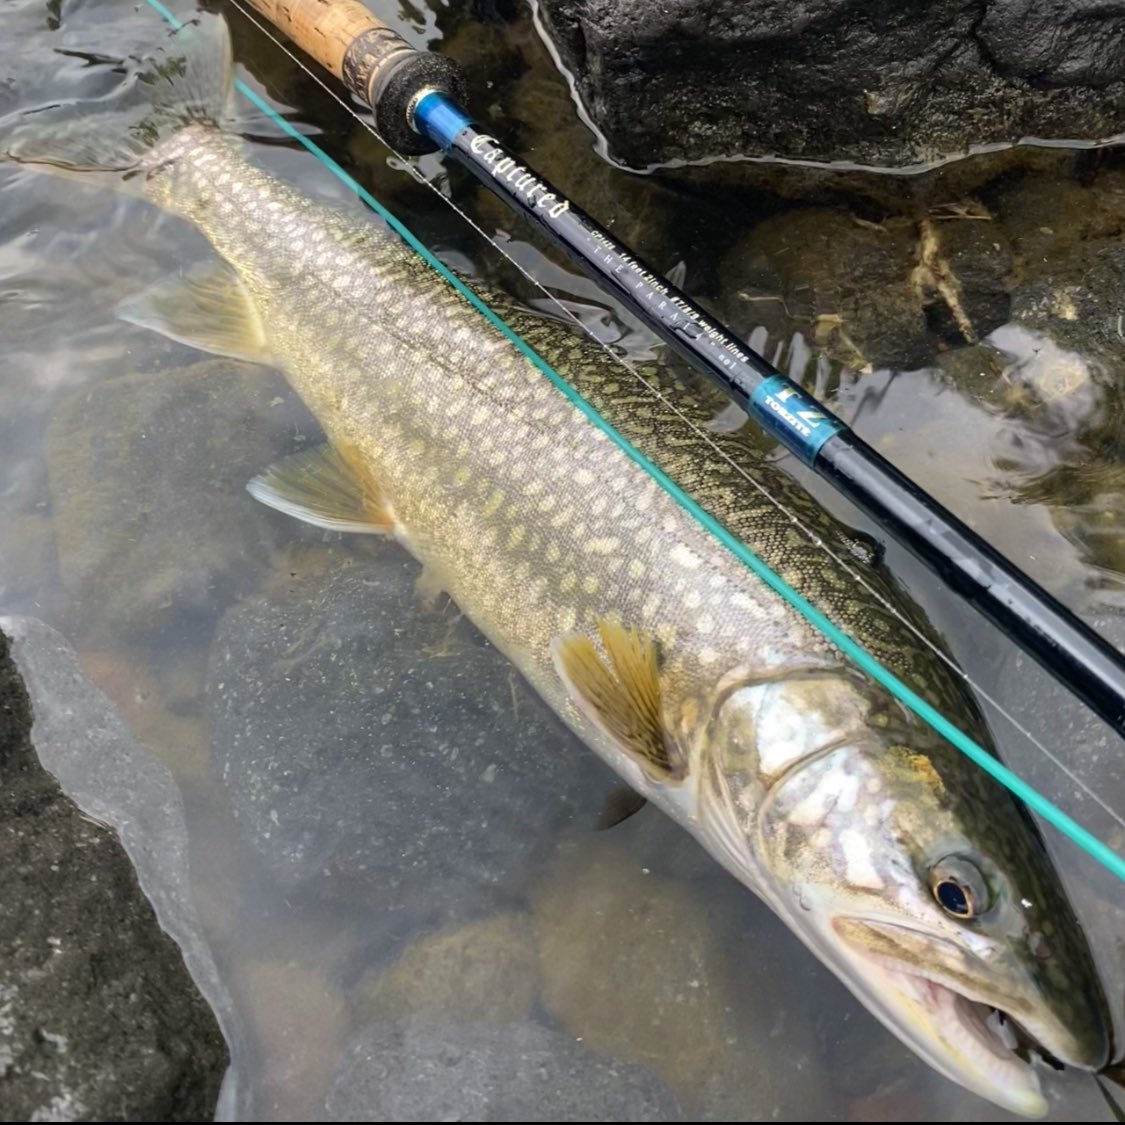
(620, 804)
(621, 694)
(328, 487)
(187, 80)
(209, 309)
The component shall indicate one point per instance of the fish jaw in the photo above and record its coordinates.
(841, 816)
(952, 1027)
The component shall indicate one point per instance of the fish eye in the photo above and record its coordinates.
(959, 887)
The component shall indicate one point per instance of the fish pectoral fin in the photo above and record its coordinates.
(327, 487)
(208, 308)
(620, 804)
(622, 696)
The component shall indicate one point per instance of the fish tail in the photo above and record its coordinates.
(187, 80)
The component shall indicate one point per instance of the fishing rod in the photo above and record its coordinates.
(416, 97)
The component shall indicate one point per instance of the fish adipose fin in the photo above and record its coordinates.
(328, 488)
(208, 309)
(187, 80)
(623, 696)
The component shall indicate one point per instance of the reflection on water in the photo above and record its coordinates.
(393, 845)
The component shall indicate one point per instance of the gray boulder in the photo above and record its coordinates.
(488, 1072)
(881, 82)
(380, 752)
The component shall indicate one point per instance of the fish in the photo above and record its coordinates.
(912, 875)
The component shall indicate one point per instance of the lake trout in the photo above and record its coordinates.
(911, 874)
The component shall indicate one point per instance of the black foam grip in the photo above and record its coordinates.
(388, 74)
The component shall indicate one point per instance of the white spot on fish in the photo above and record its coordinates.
(684, 555)
(812, 811)
(603, 546)
(849, 792)
(859, 870)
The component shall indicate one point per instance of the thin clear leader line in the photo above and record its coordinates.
(815, 539)
(859, 655)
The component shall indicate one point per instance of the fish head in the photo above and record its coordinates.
(915, 876)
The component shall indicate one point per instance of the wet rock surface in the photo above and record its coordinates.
(843, 282)
(488, 1072)
(99, 1017)
(904, 285)
(872, 293)
(879, 83)
(372, 747)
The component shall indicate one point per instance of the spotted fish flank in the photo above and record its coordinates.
(910, 873)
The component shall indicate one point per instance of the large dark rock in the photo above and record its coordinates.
(99, 1017)
(883, 82)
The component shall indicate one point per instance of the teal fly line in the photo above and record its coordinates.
(1031, 797)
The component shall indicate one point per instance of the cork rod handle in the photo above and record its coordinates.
(370, 58)
(324, 29)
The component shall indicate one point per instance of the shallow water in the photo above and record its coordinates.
(393, 854)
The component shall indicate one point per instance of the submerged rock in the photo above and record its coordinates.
(488, 1072)
(27, 555)
(99, 1017)
(670, 975)
(376, 749)
(487, 970)
(144, 691)
(148, 476)
(879, 83)
(871, 294)
(844, 283)
(299, 1023)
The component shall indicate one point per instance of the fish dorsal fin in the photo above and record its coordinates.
(623, 697)
(208, 308)
(327, 487)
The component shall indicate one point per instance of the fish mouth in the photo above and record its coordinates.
(972, 1038)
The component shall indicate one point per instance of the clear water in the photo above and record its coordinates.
(393, 852)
